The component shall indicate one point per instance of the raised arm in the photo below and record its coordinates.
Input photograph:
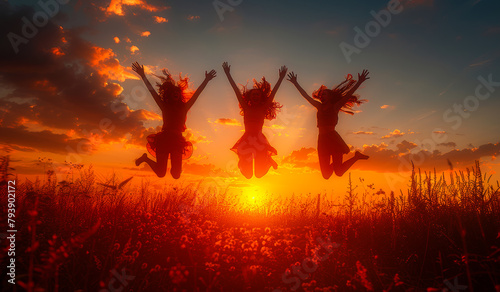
(208, 76)
(227, 69)
(139, 69)
(292, 77)
(282, 74)
(361, 78)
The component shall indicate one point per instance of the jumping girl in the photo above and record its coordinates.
(256, 105)
(174, 102)
(329, 102)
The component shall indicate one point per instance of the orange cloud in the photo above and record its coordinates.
(363, 133)
(116, 39)
(104, 61)
(480, 63)
(89, 110)
(275, 127)
(57, 51)
(386, 106)
(116, 7)
(194, 137)
(134, 49)
(45, 85)
(393, 134)
(149, 69)
(193, 17)
(145, 33)
(228, 122)
(159, 19)
(305, 157)
(149, 115)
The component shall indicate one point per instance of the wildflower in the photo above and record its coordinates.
(363, 275)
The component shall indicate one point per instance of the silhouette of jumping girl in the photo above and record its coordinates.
(174, 102)
(256, 105)
(329, 102)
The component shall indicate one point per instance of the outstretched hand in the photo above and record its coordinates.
(210, 75)
(139, 69)
(364, 76)
(226, 67)
(292, 77)
(282, 71)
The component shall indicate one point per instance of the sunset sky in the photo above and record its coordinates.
(68, 92)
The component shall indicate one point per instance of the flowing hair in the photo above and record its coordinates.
(168, 87)
(265, 89)
(341, 91)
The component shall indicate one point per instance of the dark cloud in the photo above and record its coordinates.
(448, 144)
(383, 159)
(44, 141)
(61, 82)
(405, 146)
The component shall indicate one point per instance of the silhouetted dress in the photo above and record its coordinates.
(170, 139)
(329, 141)
(253, 141)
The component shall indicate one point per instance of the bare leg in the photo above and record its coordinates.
(159, 167)
(246, 165)
(176, 163)
(341, 167)
(325, 165)
(262, 164)
(141, 159)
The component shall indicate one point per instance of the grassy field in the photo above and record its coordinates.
(442, 234)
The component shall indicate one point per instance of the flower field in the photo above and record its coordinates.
(442, 234)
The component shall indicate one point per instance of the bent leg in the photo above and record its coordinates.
(160, 166)
(341, 167)
(176, 165)
(141, 159)
(325, 165)
(263, 162)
